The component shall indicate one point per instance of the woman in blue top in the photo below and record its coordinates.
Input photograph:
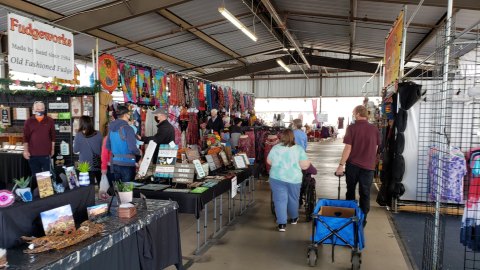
(287, 160)
(300, 136)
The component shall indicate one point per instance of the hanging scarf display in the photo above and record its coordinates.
(192, 131)
(173, 116)
(194, 93)
(186, 91)
(208, 89)
(225, 97)
(145, 86)
(173, 89)
(221, 98)
(236, 101)
(159, 88)
(108, 72)
(201, 96)
(180, 91)
(128, 76)
(230, 99)
(242, 103)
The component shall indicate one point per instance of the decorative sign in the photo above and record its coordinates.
(88, 106)
(76, 109)
(21, 113)
(184, 173)
(53, 115)
(224, 158)
(393, 46)
(5, 114)
(58, 106)
(167, 157)
(147, 159)
(39, 48)
(239, 162)
(65, 129)
(64, 116)
(76, 126)
(245, 157)
(211, 162)
(234, 187)
(199, 168)
(217, 161)
(192, 154)
(108, 72)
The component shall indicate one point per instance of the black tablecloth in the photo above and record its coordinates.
(23, 219)
(191, 203)
(12, 166)
(150, 240)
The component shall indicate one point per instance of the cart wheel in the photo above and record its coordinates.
(312, 258)
(356, 261)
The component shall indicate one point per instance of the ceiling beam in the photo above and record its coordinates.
(56, 17)
(200, 34)
(353, 24)
(461, 4)
(344, 64)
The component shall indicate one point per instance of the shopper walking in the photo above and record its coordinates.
(300, 135)
(287, 161)
(359, 156)
(88, 143)
(235, 132)
(165, 131)
(122, 143)
(38, 141)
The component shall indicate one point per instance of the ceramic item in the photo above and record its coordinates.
(84, 179)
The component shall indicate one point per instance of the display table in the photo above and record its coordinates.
(23, 219)
(13, 166)
(191, 203)
(150, 240)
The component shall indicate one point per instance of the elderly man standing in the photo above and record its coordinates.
(165, 131)
(38, 140)
(215, 123)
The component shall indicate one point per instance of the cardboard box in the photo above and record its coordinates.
(127, 212)
(341, 212)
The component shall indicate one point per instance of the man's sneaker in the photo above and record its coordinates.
(294, 220)
(282, 227)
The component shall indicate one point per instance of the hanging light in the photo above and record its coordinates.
(282, 64)
(237, 23)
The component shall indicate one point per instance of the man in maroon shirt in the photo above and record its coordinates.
(359, 155)
(38, 140)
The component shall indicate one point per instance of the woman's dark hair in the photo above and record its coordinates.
(287, 138)
(237, 120)
(86, 126)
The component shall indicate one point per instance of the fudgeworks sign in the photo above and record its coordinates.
(38, 48)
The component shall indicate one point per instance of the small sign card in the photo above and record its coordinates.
(58, 106)
(184, 173)
(211, 162)
(239, 162)
(147, 159)
(199, 168)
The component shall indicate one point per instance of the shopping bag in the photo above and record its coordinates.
(104, 186)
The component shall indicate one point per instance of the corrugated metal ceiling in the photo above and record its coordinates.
(71, 6)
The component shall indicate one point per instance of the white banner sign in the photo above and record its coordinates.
(234, 187)
(38, 48)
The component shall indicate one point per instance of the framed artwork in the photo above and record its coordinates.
(6, 117)
(76, 126)
(224, 158)
(58, 221)
(239, 162)
(76, 106)
(88, 106)
(45, 187)
(72, 177)
(21, 113)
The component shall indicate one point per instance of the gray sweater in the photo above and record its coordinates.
(87, 150)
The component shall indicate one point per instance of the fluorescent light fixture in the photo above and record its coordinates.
(237, 23)
(280, 62)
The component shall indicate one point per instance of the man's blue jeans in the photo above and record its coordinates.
(124, 173)
(286, 199)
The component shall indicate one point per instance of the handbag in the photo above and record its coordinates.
(96, 160)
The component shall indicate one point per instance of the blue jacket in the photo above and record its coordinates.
(300, 138)
(123, 143)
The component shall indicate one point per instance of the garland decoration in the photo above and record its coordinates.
(47, 88)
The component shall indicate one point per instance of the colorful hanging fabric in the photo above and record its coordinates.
(186, 91)
(208, 89)
(225, 97)
(195, 94)
(159, 88)
(173, 89)
(242, 103)
(128, 75)
(230, 98)
(180, 91)
(108, 72)
(145, 86)
(221, 98)
(201, 97)
(214, 96)
(192, 131)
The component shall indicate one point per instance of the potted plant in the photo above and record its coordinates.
(23, 189)
(125, 192)
(84, 168)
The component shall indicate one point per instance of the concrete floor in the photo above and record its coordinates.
(253, 242)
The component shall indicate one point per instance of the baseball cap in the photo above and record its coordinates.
(160, 111)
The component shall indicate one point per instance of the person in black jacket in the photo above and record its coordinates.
(215, 123)
(165, 131)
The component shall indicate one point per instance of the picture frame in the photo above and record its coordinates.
(76, 106)
(58, 221)
(239, 162)
(44, 182)
(88, 105)
(6, 118)
(72, 177)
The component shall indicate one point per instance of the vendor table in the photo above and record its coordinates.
(191, 203)
(23, 219)
(150, 240)
(12, 166)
